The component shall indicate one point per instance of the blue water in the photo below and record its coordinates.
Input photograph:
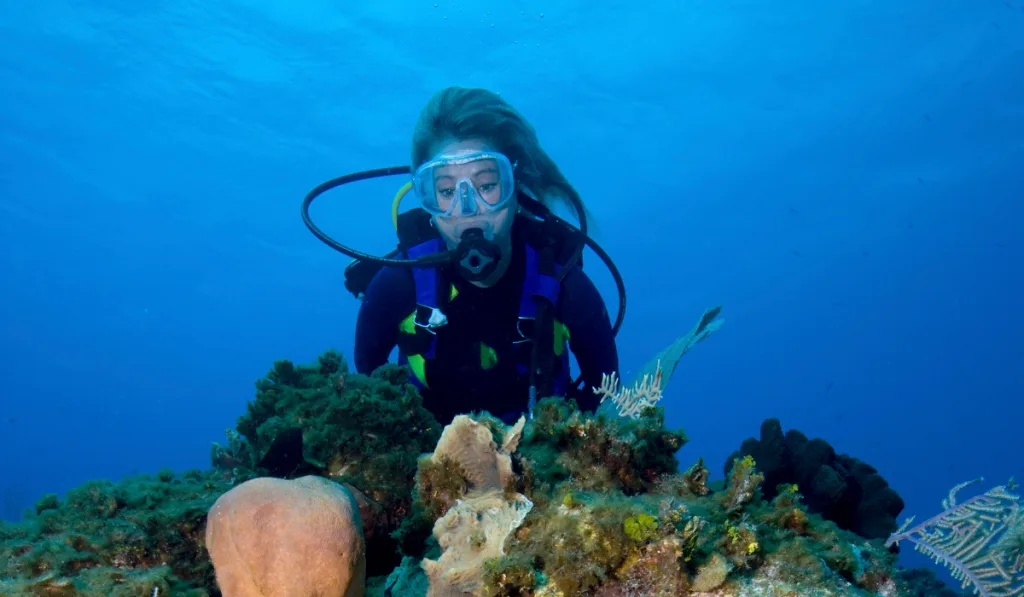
(846, 179)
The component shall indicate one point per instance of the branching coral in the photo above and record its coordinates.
(646, 391)
(631, 402)
(1010, 547)
(978, 540)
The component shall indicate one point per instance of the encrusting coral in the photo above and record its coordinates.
(564, 503)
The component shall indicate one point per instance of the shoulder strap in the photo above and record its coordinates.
(428, 279)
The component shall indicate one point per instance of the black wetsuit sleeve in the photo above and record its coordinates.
(390, 298)
(591, 340)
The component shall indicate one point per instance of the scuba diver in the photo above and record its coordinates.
(485, 295)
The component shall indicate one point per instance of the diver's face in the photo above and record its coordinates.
(484, 176)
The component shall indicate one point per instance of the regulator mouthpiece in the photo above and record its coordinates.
(476, 257)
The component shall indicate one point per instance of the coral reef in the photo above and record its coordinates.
(611, 516)
(564, 503)
(130, 538)
(841, 488)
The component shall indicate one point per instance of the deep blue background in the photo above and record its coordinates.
(847, 179)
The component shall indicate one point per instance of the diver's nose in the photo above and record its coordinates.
(466, 204)
(467, 199)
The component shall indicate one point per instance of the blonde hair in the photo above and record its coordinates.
(459, 113)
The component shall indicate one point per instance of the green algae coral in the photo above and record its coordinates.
(365, 431)
(598, 452)
(509, 577)
(739, 544)
(438, 486)
(108, 538)
(744, 483)
(575, 550)
(641, 527)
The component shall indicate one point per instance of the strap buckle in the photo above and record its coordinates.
(429, 318)
(526, 327)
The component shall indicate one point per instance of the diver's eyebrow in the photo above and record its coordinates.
(485, 169)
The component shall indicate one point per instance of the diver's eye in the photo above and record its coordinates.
(488, 187)
(446, 193)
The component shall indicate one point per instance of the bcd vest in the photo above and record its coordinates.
(541, 341)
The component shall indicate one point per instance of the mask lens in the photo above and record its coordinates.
(463, 185)
(489, 184)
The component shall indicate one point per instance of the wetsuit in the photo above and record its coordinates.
(457, 382)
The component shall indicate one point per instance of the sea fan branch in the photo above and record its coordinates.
(981, 540)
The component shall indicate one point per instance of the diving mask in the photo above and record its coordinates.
(465, 185)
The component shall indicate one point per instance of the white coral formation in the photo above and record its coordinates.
(473, 531)
(470, 444)
(476, 527)
(630, 402)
